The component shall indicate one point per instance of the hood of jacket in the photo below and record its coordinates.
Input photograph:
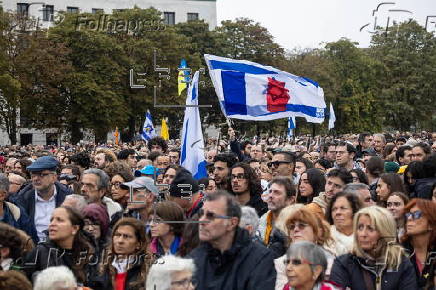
(321, 200)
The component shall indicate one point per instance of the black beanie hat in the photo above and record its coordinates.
(183, 177)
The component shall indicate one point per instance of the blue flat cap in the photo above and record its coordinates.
(44, 163)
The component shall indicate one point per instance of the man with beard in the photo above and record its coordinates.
(103, 157)
(246, 187)
(222, 164)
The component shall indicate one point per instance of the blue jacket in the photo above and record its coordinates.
(15, 216)
(26, 200)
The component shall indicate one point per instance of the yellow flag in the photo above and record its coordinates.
(182, 77)
(164, 131)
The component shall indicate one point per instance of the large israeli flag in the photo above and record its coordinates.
(192, 152)
(250, 91)
(148, 131)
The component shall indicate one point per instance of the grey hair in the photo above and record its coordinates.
(4, 183)
(80, 201)
(103, 178)
(159, 276)
(355, 187)
(54, 277)
(310, 252)
(381, 136)
(249, 217)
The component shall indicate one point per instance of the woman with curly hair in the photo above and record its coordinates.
(128, 260)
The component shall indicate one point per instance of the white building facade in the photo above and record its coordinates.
(45, 13)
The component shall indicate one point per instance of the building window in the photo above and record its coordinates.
(192, 16)
(73, 10)
(170, 18)
(97, 11)
(23, 9)
(25, 139)
(48, 13)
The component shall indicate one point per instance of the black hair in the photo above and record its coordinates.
(305, 161)
(342, 174)
(245, 143)
(317, 180)
(362, 136)
(286, 182)
(158, 141)
(82, 159)
(429, 166)
(326, 164)
(325, 147)
(124, 154)
(401, 151)
(154, 155)
(289, 156)
(229, 158)
(251, 176)
(361, 175)
(350, 148)
(375, 166)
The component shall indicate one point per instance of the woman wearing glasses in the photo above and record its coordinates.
(171, 273)
(303, 225)
(396, 203)
(376, 261)
(166, 237)
(420, 240)
(119, 173)
(306, 265)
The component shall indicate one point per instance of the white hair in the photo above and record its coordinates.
(159, 276)
(249, 217)
(54, 277)
(79, 202)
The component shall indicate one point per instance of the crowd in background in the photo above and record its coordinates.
(356, 212)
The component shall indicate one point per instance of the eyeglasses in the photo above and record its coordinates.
(415, 215)
(297, 262)
(40, 174)
(116, 185)
(300, 226)
(211, 215)
(240, 176)
(276, 164)
(393, 204)
(185, 283)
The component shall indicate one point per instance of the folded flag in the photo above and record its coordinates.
(192, 152)
(164, 132)
(148, 131)
(251, 91)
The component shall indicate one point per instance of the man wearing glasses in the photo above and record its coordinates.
(283, 164)
(44, 194)
(227, 258)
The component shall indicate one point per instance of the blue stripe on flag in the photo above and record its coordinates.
(241, 67)
(310, 81)
(183, 153)
(234, 92)
(261, 110)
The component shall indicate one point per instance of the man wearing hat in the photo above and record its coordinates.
(143, 195)
(44, 194)
(184, 191)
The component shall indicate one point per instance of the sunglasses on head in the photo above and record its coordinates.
(276, 164)
(211, 215)
(415, 215)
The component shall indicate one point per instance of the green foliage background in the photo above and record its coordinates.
(73, 77)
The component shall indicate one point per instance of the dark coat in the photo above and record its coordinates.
(15, 216)
(235, 147)
(423, 188)
(277, 243)
(426, 279)
(258, 204)
(26, 199)
(246, 265)
(347, 271)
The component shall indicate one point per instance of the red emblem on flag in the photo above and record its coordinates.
(277, 96)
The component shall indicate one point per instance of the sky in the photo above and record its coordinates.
(310, 23)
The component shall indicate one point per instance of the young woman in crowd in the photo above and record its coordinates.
(128, 260)
(302, 165)
(66, 246)
(359, 176)
(395, 204)
(376, 261)
(339, 214)
(166, 237)
(420, 240)
(311, 183)
(388, 183)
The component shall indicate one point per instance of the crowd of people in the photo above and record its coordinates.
(352, 212)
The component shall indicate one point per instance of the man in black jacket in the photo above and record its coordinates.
(227, 258)
(44, 194)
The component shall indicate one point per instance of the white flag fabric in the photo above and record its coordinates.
(192, 151)
(251, 91)
(332, 118)
(148, 131)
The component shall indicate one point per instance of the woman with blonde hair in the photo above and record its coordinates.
(303, 225)
(376, 261)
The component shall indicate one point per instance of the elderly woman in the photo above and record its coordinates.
(65, 246)
(377, 261)
(420, 240)
(303, 225)
(128, 261)
(171, 273)
(55, 278)
(339, 214)
(395, 204)
(305, 267)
